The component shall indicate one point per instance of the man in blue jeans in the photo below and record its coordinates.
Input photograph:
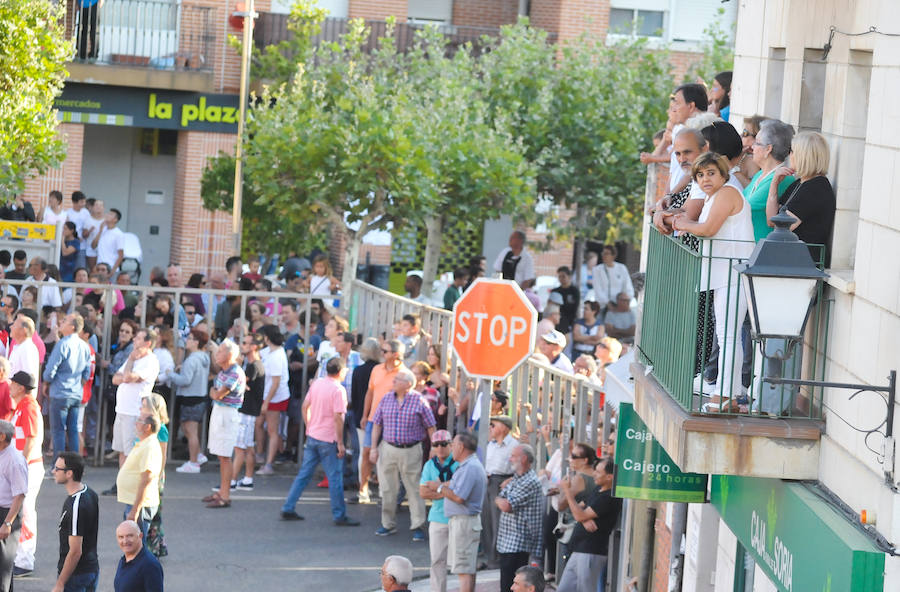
(323, 411)
(68, 368)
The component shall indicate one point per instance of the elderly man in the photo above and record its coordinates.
(439, 468)
(323, 409)
(65, 374)
(29, 435)
(25, 356)
(528, 579)
(463, 497)
(227, 394)
(138, 479)
(138, 569)
(49, 295)
(522, 502)
(381, 381)
(499, 468)
(173, 276)
(13, 485)
(135, 380)
(620, 320)
(404, 418)
(552, 344)
(515, 262)
(396, 574)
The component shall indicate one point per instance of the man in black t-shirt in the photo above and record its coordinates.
(590, 539)
(78, 566)
(570, 296)
(244, 449)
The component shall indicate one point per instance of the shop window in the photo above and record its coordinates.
(812, 90)
(156, 142)
(774, 82)
(744, 570)
(636, 23)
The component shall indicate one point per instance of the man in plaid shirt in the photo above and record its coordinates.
(521, 502)
(404, 419)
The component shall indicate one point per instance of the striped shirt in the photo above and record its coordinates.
(406, 423)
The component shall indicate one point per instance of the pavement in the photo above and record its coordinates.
(244, 547)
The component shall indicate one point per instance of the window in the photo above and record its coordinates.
(635, 22)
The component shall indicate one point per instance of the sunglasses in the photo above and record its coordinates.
(441, 444)
(746, 134)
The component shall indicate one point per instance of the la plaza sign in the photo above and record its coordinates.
(494, 328)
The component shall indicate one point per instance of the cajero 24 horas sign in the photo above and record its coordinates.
(796, 537)
(149, 108)
(645, 471)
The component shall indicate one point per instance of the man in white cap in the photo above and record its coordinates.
(552, 344)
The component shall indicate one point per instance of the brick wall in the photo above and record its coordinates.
(66, 178)
(377, 9)
(559, 252)
(661, 549)
(570, 18)
(485, 13)
(681, 61)
(201, 240)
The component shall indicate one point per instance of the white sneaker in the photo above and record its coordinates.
(702, 387)
(201, 459)
(188, 467)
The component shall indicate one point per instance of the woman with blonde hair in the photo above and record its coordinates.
(155, 406)
(322, 281)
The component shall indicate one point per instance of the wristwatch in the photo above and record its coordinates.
(440, 487)
(9, 524)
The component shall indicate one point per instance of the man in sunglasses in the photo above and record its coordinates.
(440, 468)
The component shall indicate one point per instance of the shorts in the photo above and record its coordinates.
(192, 412)
(367, 439)
(280, 406)
(124, 433)
(224, 425)
(462, 552)
(246, 431)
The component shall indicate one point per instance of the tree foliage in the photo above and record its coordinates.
(717, 51)
(33, 51)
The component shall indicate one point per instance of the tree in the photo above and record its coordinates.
(717, 51)
(33, 51)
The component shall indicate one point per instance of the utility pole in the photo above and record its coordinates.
(248, 14)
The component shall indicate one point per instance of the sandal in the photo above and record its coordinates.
(211, 498)
(219, 503)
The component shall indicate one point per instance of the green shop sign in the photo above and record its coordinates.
(645, 471)
(797, 538)
(146, 107)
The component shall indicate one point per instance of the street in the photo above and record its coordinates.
(243, 547)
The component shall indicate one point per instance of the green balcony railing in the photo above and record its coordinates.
(678, 337)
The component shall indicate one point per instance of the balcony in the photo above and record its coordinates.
(150, 43)
(763, 431)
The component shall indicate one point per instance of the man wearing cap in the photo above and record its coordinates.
(439, 468)
(405, 419)
(552, 344)
(499, 402)
(29, 435)
(13, 485)
(499, 468)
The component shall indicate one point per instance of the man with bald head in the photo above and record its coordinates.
(173, 276)
(138, 570)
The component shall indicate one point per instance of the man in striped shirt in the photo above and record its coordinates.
(78, 566)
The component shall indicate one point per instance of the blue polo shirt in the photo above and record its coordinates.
(430, 473)
(469, 482)
(141, 574)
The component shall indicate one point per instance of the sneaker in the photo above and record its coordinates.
(21, 572)
(111, 491)
(245, 485)
(266, 470)
(701, 386)
(201, 459)
(418, 535)
(188, 467)
(385, 531)
(323, 484)
(291, 516)
(346, 522)
(217, 487)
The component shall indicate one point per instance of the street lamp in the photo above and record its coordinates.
(780, 280)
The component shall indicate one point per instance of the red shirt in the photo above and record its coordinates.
(29, 424)
(86, 396)
(6, 404)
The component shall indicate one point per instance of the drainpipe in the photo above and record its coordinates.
(676, 553)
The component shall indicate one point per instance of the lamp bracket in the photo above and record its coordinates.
(885, 429)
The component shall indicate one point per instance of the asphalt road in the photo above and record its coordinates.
(245, 547)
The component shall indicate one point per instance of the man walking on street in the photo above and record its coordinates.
(68, 368)
(138, 479)
(78, 568)
(498, 466)
(13, 485)
(522, 502)
(323, 411)
(439, 468)
(405, 419)
(463, 498)
(29, 435)
(138, 570)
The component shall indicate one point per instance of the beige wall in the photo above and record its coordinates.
(861, 119)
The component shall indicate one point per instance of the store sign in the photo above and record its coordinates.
(149, 108)
(645, 471)
(27, 230)
(796, 537)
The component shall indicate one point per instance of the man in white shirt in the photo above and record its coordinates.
(515, 262)
(49, 295)
(78, 214)
(611, 278)
(24, 356)
(135, 380)
(498, 467)
(552, 344)
(91, 230)
(110, 241)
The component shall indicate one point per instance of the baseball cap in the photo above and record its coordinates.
(554, 337)
(25, 379)
(441, 436)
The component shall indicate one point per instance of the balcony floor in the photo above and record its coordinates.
(727, 445)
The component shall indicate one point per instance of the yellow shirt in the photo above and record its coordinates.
(145, 456)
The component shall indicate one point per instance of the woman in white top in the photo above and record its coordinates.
(611, 278)
(276, 395)
(725, 218)
(322, 281)
(53, 213)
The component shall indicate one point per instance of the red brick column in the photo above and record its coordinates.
(66, 178)
(378, 9)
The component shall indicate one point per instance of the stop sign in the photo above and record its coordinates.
(493, 328)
